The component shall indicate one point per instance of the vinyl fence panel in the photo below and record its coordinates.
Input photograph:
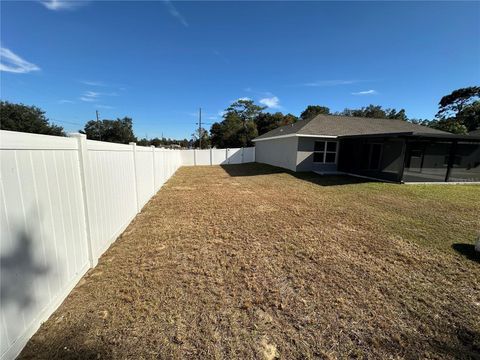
(219, 156)
(188, 157)
(202, 157)
(248, 154)
(145, 174)
(63, 202)
(235, 156)
(111, 184)
(43, 237)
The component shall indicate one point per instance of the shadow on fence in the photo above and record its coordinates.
(256, 169)
(18, 270)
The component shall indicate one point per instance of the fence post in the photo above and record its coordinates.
(194, 157)
(84, 173)
(134, 150)
(243, 154)
(153, 164)
(211, 157)
(226, 156)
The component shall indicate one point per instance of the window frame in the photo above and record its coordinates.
(325, 151)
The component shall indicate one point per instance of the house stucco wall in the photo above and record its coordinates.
(277, 152)
(305, 155)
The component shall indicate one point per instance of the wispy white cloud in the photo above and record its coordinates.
(175, 13)
(366, 92)
(271, 102)
(93, 83)
(330, 83)
(57, 5)
(90, 96)
(11, 62)
(245, 98)
(63, 101)
(87, 99)
(104, 107)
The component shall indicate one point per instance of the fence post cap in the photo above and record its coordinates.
(132, 143)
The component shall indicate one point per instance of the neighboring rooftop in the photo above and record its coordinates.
(332, 125)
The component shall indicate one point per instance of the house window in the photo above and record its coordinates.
(325, 152)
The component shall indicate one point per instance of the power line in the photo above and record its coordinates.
(66, 122)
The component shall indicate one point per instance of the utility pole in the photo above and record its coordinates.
(200, 128)
(96, 112)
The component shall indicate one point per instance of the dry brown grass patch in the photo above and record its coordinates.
(248, 262)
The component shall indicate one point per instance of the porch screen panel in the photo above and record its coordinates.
(466, 162)
(379, 158)
(426, 161)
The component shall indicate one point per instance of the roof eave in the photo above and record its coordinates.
(294, 135)
(415, 134)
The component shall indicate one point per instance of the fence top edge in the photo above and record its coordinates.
(27, 141)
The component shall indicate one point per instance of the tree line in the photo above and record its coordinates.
(32, 119)
(243, 120)
(459, 113)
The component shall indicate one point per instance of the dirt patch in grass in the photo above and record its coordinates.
(249, 262)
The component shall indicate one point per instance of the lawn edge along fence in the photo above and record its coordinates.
(64, 201)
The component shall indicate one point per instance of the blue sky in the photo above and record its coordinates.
(157, 62)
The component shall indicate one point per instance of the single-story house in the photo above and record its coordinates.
(384, 149)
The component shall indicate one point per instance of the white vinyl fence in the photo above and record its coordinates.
(218, 156)
(63, 202)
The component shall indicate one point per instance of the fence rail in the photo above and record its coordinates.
(64, 201)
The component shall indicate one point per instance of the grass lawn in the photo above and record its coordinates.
(247, 261)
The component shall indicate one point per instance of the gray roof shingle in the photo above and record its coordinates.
(333, 125)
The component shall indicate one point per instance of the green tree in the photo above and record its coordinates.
(266, 121)
(459, 111)
(23, 118)
(238, 128)
(245, 109)
(423, 122)
(375, 111)
(313, 110)
(201, 139)
(469, 116)
(156, 142)
(117, 131)
(144, 142)
(452, 104)
(450, 125)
